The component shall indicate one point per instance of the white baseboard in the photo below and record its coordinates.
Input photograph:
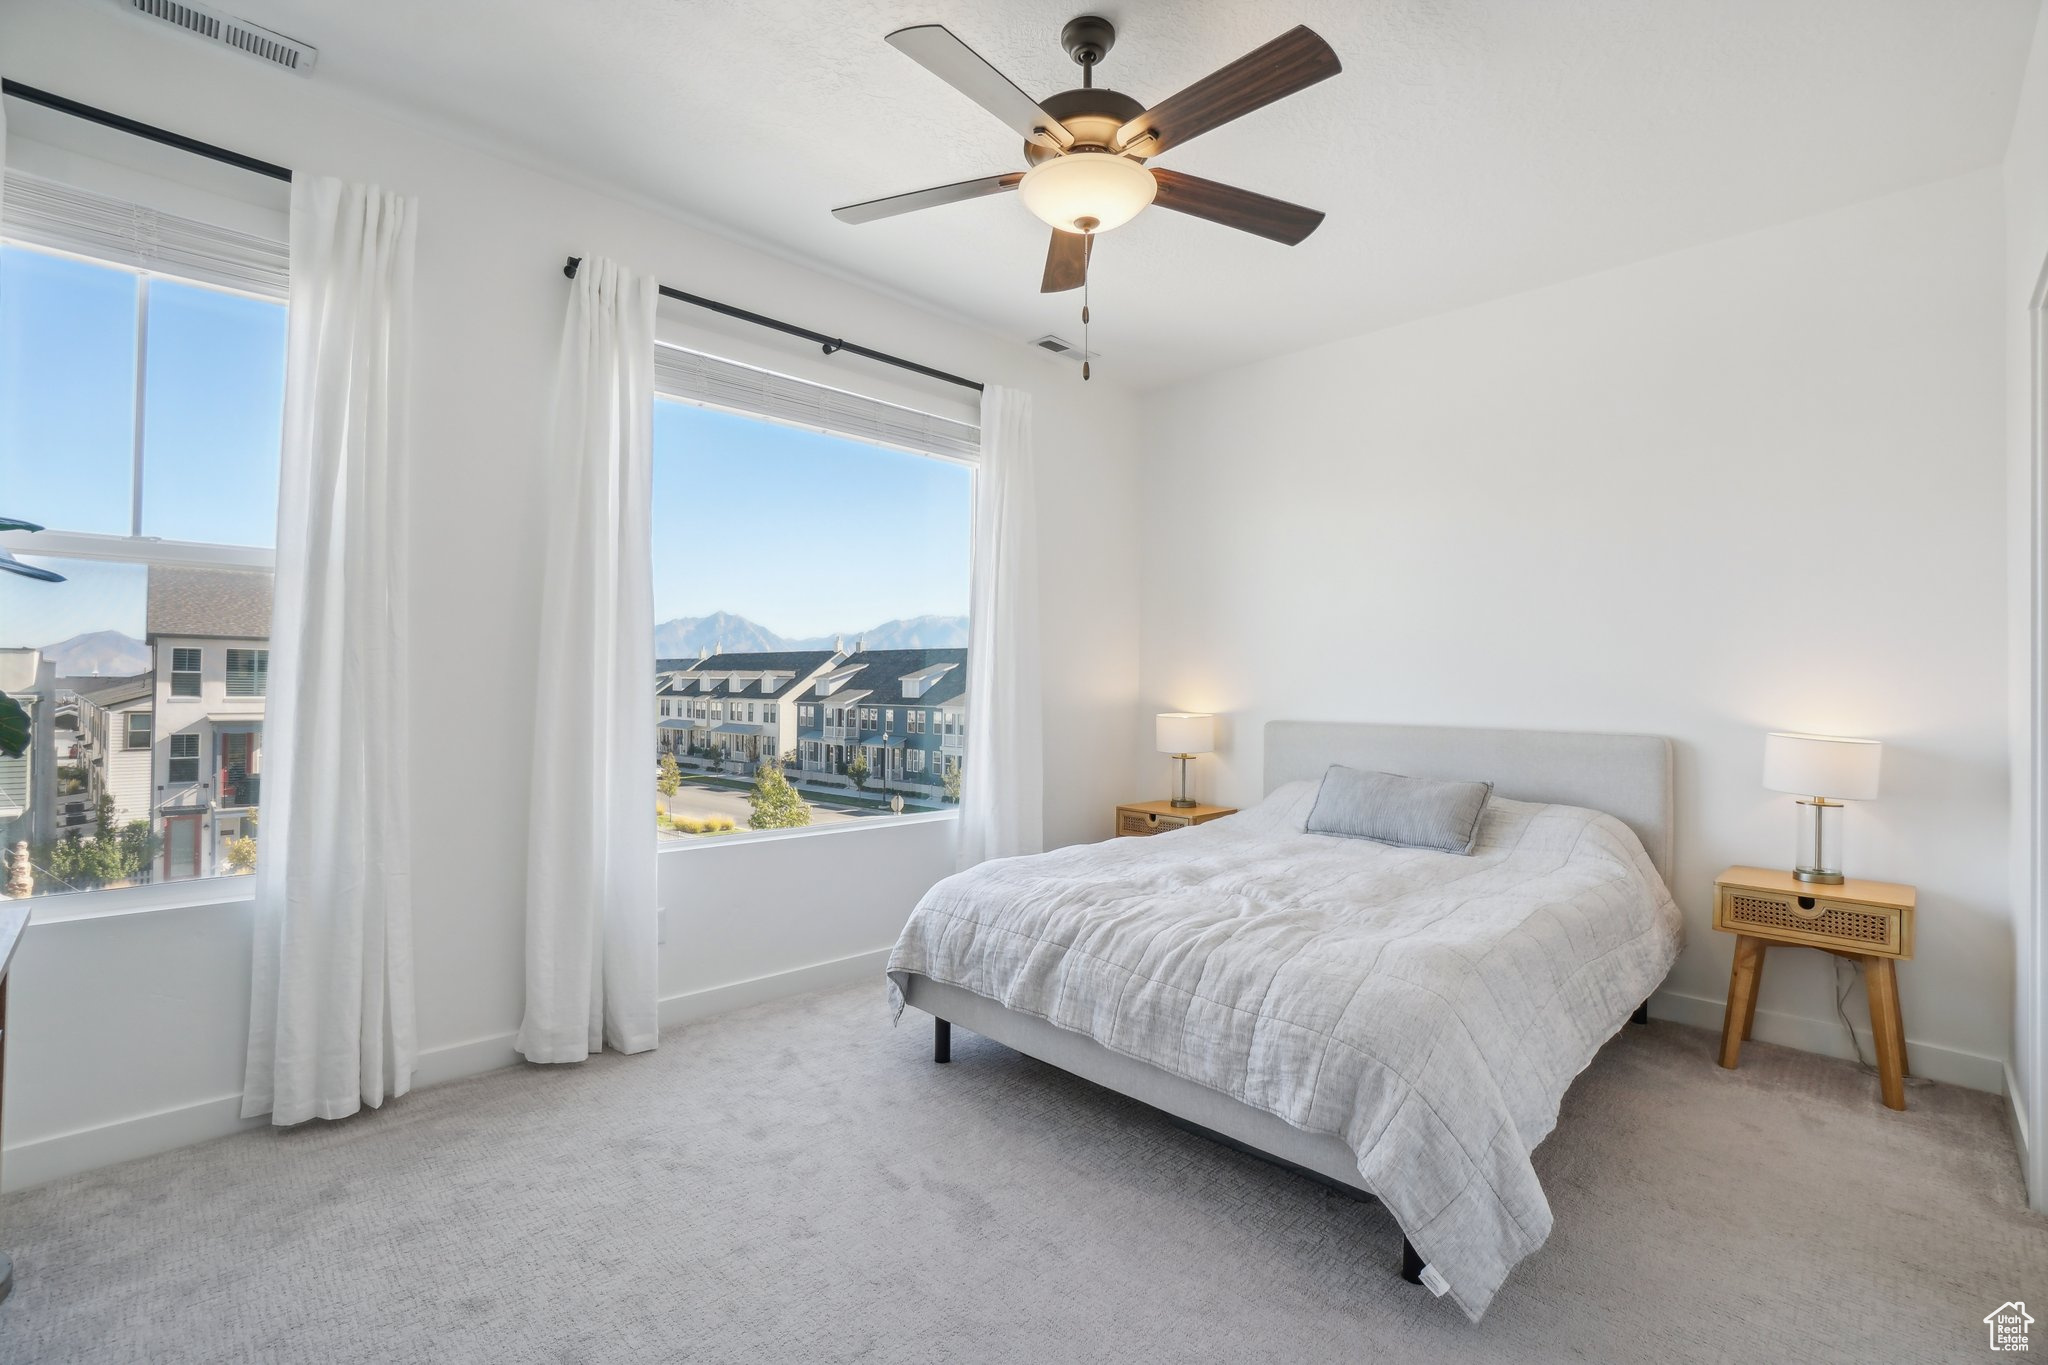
(691, 1006)
(41, 1160)
(1950, 1066)
(2016, 1116)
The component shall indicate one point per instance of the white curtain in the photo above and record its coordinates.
(591, 918)
(331, 1015)
(1001, 791)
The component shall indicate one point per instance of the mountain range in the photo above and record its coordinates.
(727, 633)
(107, 653)
(111, 654)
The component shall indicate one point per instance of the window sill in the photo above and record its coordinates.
(71, 906)
(699, 842)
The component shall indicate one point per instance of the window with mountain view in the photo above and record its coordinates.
(810, 595)
(140, 416)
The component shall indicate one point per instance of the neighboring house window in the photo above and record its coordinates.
(917, 760)
(141, 412)
(862, 583)
(184, 672)
(248, 672)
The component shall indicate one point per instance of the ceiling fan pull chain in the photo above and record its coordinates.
(1087, 251)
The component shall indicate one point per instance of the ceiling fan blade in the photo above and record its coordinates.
(1274, 219)
(869, 210)
(1294, 61)
(933, 47)
(1066, 262)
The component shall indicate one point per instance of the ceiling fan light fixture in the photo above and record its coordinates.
(1066, 192)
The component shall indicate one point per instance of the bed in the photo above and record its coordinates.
(1398, 1022)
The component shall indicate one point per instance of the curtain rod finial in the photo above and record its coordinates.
(570, 269)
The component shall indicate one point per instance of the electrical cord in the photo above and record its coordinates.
(1842, 1013)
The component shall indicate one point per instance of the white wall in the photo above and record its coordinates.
(1757, 485)
(2026, 259)
(127, 1030)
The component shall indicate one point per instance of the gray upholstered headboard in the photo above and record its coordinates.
(1627, 776)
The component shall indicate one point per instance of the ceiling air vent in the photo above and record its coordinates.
(1061, 346)
(228, 31)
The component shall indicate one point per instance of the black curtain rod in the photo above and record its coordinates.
(142, 130)
(829, 344)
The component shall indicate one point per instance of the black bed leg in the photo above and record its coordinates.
(942, 1040)
(1411, 1264)
(1642, 1014)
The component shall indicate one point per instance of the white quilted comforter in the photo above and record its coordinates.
(1427, 1008)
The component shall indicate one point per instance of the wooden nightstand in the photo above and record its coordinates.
(1871, 922)
(1156, 817)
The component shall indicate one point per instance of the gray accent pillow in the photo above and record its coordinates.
(1408, 812)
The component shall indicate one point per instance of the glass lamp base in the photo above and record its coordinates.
(1819, 856)
(1182, 800)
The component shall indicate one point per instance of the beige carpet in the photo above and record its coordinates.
(798, 1182)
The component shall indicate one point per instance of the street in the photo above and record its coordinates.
(703, 798)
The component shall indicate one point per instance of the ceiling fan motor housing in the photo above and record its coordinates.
(1092, 116)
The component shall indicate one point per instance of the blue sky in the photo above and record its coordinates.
(213, 403)
(803, 532)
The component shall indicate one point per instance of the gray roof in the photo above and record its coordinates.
(882, 672)
(876, 681)
(801, 664)
(226, 604)
(107, 693)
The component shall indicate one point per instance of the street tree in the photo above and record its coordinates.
(668, 779)
(776, 804)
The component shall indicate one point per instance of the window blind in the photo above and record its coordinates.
(48, 213)
(726, 384)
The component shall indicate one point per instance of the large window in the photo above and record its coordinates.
(844, 594)
(248, 672)
(141, 401)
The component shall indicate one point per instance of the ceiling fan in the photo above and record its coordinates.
(1086, 148)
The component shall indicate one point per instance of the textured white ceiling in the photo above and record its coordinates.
(1471, 148)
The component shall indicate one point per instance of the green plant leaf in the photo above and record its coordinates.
(13, 728)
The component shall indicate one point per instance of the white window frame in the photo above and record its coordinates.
(703, 380)
(60, 220)
(258, 672)
(197, 673)
(171, 755)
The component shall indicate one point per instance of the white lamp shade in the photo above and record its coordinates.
(1108, 189)
(1180, 732)
(1822, 765)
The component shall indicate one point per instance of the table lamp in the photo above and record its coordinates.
(1823, 771)
(1184, 735)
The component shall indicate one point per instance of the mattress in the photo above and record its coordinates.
(1426, 1010)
